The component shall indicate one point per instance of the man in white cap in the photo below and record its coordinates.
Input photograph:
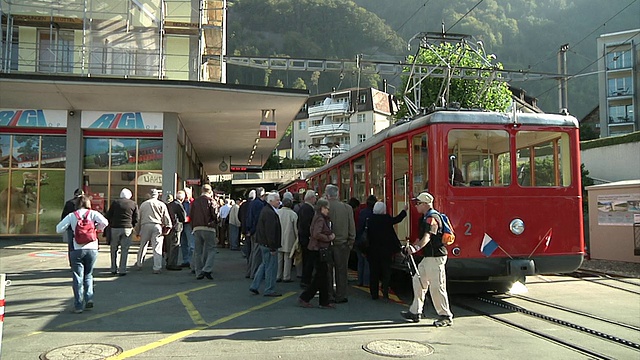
(123, 216)
(431, 270)
(154, 216)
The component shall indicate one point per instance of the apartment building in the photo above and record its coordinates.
(329, 124)
(619, 82)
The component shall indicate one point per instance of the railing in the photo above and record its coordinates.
(329, 129)
(621, 120)
(329, 109)
(328, 152)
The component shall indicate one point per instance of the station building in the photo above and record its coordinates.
(106, 94)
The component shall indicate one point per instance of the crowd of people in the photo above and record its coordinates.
(315, 237)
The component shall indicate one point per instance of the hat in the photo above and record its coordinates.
(154, 193)
(424, 197)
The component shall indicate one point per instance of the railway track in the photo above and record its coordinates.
(582, 334)
(597, 277)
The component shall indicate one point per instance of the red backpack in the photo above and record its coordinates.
(85, 229)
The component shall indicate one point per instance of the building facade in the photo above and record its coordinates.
(329, 124)
(161, 39)
(619, 82)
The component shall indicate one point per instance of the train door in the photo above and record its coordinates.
(400, 191)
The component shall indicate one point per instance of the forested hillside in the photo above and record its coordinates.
(524, 34)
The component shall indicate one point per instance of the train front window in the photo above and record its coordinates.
(543, 158)
(479, 158)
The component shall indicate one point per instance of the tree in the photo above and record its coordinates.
(299, 84)
(497, 96)
(315, 79)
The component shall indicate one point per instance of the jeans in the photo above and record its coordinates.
(82, 263)
(234, 237)
(268, 271)
(363, 269)
(187, 243)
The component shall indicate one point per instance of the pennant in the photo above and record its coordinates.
(488, 245)
(547, 239)
(267, 130)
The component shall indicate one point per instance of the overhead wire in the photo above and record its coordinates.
(585, 37)
(414, 14)
(463, 16)
(593, 62)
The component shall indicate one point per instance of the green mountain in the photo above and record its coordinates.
(523, 34)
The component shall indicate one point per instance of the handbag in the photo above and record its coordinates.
(326, 255)
(363, 243)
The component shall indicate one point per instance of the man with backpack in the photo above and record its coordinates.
(431, 271)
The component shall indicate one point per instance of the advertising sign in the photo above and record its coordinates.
(33, 118)
(618, 209)
(121, 120)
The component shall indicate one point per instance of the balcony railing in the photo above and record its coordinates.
(327, 151)
(331, 129)
(621, 120)
(330, 109)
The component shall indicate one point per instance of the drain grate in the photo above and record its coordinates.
(398, 348)
(82, 352)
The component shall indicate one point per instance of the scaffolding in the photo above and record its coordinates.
(163, 39)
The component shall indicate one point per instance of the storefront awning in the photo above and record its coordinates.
(222, 121)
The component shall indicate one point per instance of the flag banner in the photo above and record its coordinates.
(488, 245)
(267, 130)
(547, 239)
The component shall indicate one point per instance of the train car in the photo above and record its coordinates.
(297, 186)
(511, 177)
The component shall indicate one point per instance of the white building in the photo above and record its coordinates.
(330, 123)
(618, 82)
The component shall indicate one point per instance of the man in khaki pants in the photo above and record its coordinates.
(344, 227)
(431, 270)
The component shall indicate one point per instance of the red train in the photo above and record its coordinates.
(512, 177)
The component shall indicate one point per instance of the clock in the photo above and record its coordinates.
(223, 166)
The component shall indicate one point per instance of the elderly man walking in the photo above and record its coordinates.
(204, 216)
(344, 228)
(252, 222)
(268, 236)
(123, 216)
(154, 216)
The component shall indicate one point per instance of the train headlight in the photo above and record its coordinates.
(516, 226)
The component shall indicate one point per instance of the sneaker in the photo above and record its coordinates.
(156, 271)
(200, 277)
(78, 311)
(254, 291)
(89, 305)
(207, 275)
(442, 322)
(410, 316)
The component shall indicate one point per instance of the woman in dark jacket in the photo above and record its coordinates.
(321, 237)
(363, 264)
(383, 244)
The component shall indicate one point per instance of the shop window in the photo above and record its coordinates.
(31, 176)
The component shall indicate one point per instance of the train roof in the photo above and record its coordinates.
(455, 117)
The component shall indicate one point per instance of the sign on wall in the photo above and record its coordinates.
(121, 120)
(618, 209)
(33, 118)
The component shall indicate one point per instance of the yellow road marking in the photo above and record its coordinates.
(117, 311)
(182, 334)
(191, 310)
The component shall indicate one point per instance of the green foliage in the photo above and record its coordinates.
(466, 92)
(588, 133)
(299, 84)
(586, 181)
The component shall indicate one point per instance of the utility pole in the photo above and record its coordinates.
(562, 81)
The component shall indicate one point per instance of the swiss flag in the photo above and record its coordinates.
(267, 130)
(547, 240)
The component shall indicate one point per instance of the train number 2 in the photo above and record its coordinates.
(468, 231)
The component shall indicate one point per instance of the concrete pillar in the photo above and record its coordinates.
(169, 153)
(75, 154)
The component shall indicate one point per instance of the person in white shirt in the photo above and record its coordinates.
(82, 257)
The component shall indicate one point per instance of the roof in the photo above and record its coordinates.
(221, 120)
